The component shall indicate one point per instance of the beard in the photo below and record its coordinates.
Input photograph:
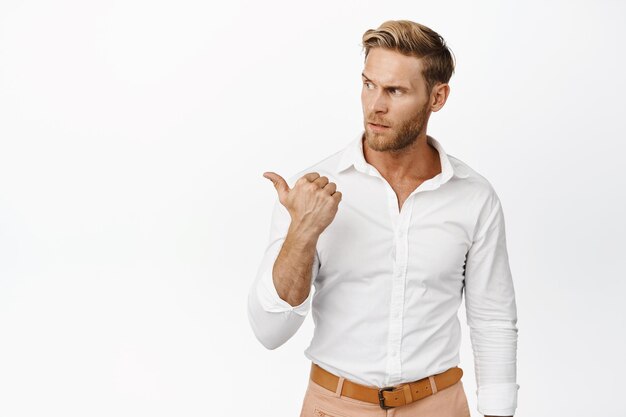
(394, 139)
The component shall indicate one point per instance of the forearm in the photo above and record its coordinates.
(292, 270)
(272, 318)
(495, 367)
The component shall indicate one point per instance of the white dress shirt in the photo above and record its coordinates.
(388, 282)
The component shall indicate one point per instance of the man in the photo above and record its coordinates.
(391, 231)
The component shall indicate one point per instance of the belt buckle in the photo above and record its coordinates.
(381, 398)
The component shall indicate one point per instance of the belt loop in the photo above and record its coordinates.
(408, 396)
(339, 387)
(433, 386)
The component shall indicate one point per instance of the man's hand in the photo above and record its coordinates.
(312, 204)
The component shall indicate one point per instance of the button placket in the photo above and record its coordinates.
(394, 343)
(398, 294)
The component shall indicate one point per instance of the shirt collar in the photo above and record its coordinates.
(353, 155)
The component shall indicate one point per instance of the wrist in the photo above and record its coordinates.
(303, 235)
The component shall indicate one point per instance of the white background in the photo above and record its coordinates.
(134, 214)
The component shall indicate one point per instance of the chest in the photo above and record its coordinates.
(403, 190)
(368, 241)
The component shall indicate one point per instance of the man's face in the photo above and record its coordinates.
(394, 95)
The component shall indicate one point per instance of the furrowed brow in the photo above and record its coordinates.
(388, 87)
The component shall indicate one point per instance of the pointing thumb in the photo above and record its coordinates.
(279, 183)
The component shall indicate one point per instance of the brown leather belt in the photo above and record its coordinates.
(388, 397)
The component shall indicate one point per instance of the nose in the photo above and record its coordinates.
(378, 102)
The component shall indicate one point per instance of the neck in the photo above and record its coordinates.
(418, 161)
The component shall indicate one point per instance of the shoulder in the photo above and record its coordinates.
(475, 182)
(481, 200)
(477, 193)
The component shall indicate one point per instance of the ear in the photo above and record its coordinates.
(438, 96)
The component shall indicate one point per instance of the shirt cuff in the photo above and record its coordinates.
(271, 301)
(497, 399)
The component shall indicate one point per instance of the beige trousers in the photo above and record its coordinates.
(320, 402)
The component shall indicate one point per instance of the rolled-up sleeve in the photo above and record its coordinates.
(492, 314)
(274, 320)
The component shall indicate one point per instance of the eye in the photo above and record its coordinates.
(394, 91)
(367, 84)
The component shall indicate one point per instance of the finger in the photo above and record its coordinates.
(279, 183)
(321, 181)
(330, 188)
(311, 176)
(337, 196)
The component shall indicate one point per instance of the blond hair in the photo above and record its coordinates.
(413, 39)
